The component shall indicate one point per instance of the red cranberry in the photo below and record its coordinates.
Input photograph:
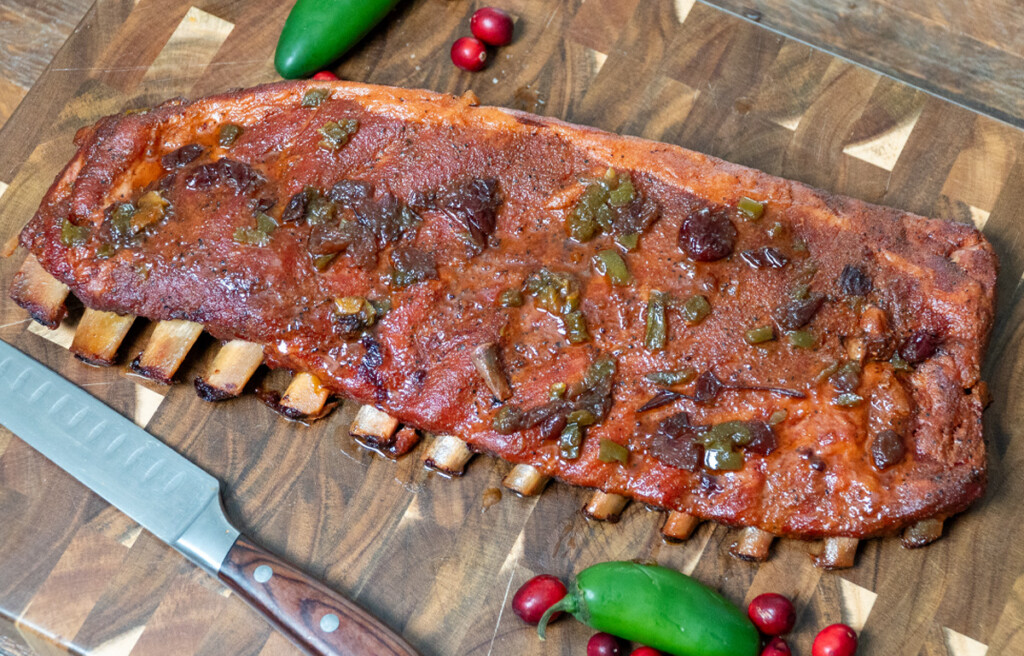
(325, 75)
(772, 614)
(536, 596)
(469, 54)
(777, 647)
(706, 235)
(919, 346)
(835, 640)
(492, 26)
(604, 644)
(646, 651)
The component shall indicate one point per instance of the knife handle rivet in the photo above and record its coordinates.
(263, 573)
(329, 623)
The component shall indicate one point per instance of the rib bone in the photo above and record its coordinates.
(304, 400)
(679, 526)
(167, 347)
(525, 480)
(448, 455)
(34, 289)
(98, 336)
(374, 428)
(605, 507)
(752, 545)
(923, 532)
(838, 553)
(232, 368)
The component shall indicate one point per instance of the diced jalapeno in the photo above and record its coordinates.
(611, 265)
(507, 420)
(827, 371)
(335, 134)
(570, 440)
(696, 309)
(848, 400)
(582, 418)
(668, 378)
(576, 327)
(759, 335)
(251, 236)
(319, 210)
(73, 235)
(314, 97)
(556, 391)
(105, 251)
(800, 292)
(265, 223)
(624, 193)
(150, 210)
(750, 208)
(629, 241)
(804, 339)
(778, 417)
(656, 331)
(511, 298)
(728, 433)
(899, 364)
(321, 262)
(613, 452)
(121, 220)
(776, 230)
(228, 134)
(723, 460)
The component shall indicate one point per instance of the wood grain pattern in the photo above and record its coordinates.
(436, 558)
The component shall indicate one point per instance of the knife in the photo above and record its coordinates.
(180, 504)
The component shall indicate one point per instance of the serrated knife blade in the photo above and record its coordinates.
(180, 504)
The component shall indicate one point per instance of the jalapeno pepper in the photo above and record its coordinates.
(658, 607)
(319, 31)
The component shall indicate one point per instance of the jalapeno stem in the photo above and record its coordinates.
(569, 603)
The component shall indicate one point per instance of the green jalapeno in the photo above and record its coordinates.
(659, 607)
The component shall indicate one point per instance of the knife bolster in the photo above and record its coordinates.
(209, 538)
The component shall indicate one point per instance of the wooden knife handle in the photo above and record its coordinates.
(315, 618)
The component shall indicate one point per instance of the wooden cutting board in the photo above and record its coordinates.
(427, 554)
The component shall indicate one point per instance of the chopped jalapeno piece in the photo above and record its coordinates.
(611, 265)
(319, 210)
(629, 241)
(228, 134)
(723, 460)
(570, 440)
(804, 339)
(759, 335)
(613, 452)
(265, 223)
(848, 400)
(656, 330)
(668, 378)
(507, 420)
(150, 210)
(776, 230)
(696, 309)
(73, 235)
(106, 250)
(800, 292)
(899, 364)
(335, 135)
(827, 371)
(750, 208)
(556, 391)
(728, 433)
(121, 220)
(582, 222)
(511, 298)
(582, 418)
(576, 327)
(251, 236)
(321, 262)
(624, 193)
(777, 417)
(314, 97)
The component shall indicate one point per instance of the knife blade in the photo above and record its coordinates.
(181, 505)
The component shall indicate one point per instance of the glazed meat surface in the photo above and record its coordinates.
(619, 313)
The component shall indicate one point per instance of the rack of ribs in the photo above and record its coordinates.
(615, 313)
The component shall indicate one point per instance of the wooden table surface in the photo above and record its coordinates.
(424, 553)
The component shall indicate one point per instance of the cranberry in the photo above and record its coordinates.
(469, 54)
(707, 236)
(853, 281)
(492, 26)
(887, 449)
(835, 640)
(919, 346)
(772, 613)
(604, 644)
(777, 647)
(536, 596)
(646, 651)
(325, 75)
